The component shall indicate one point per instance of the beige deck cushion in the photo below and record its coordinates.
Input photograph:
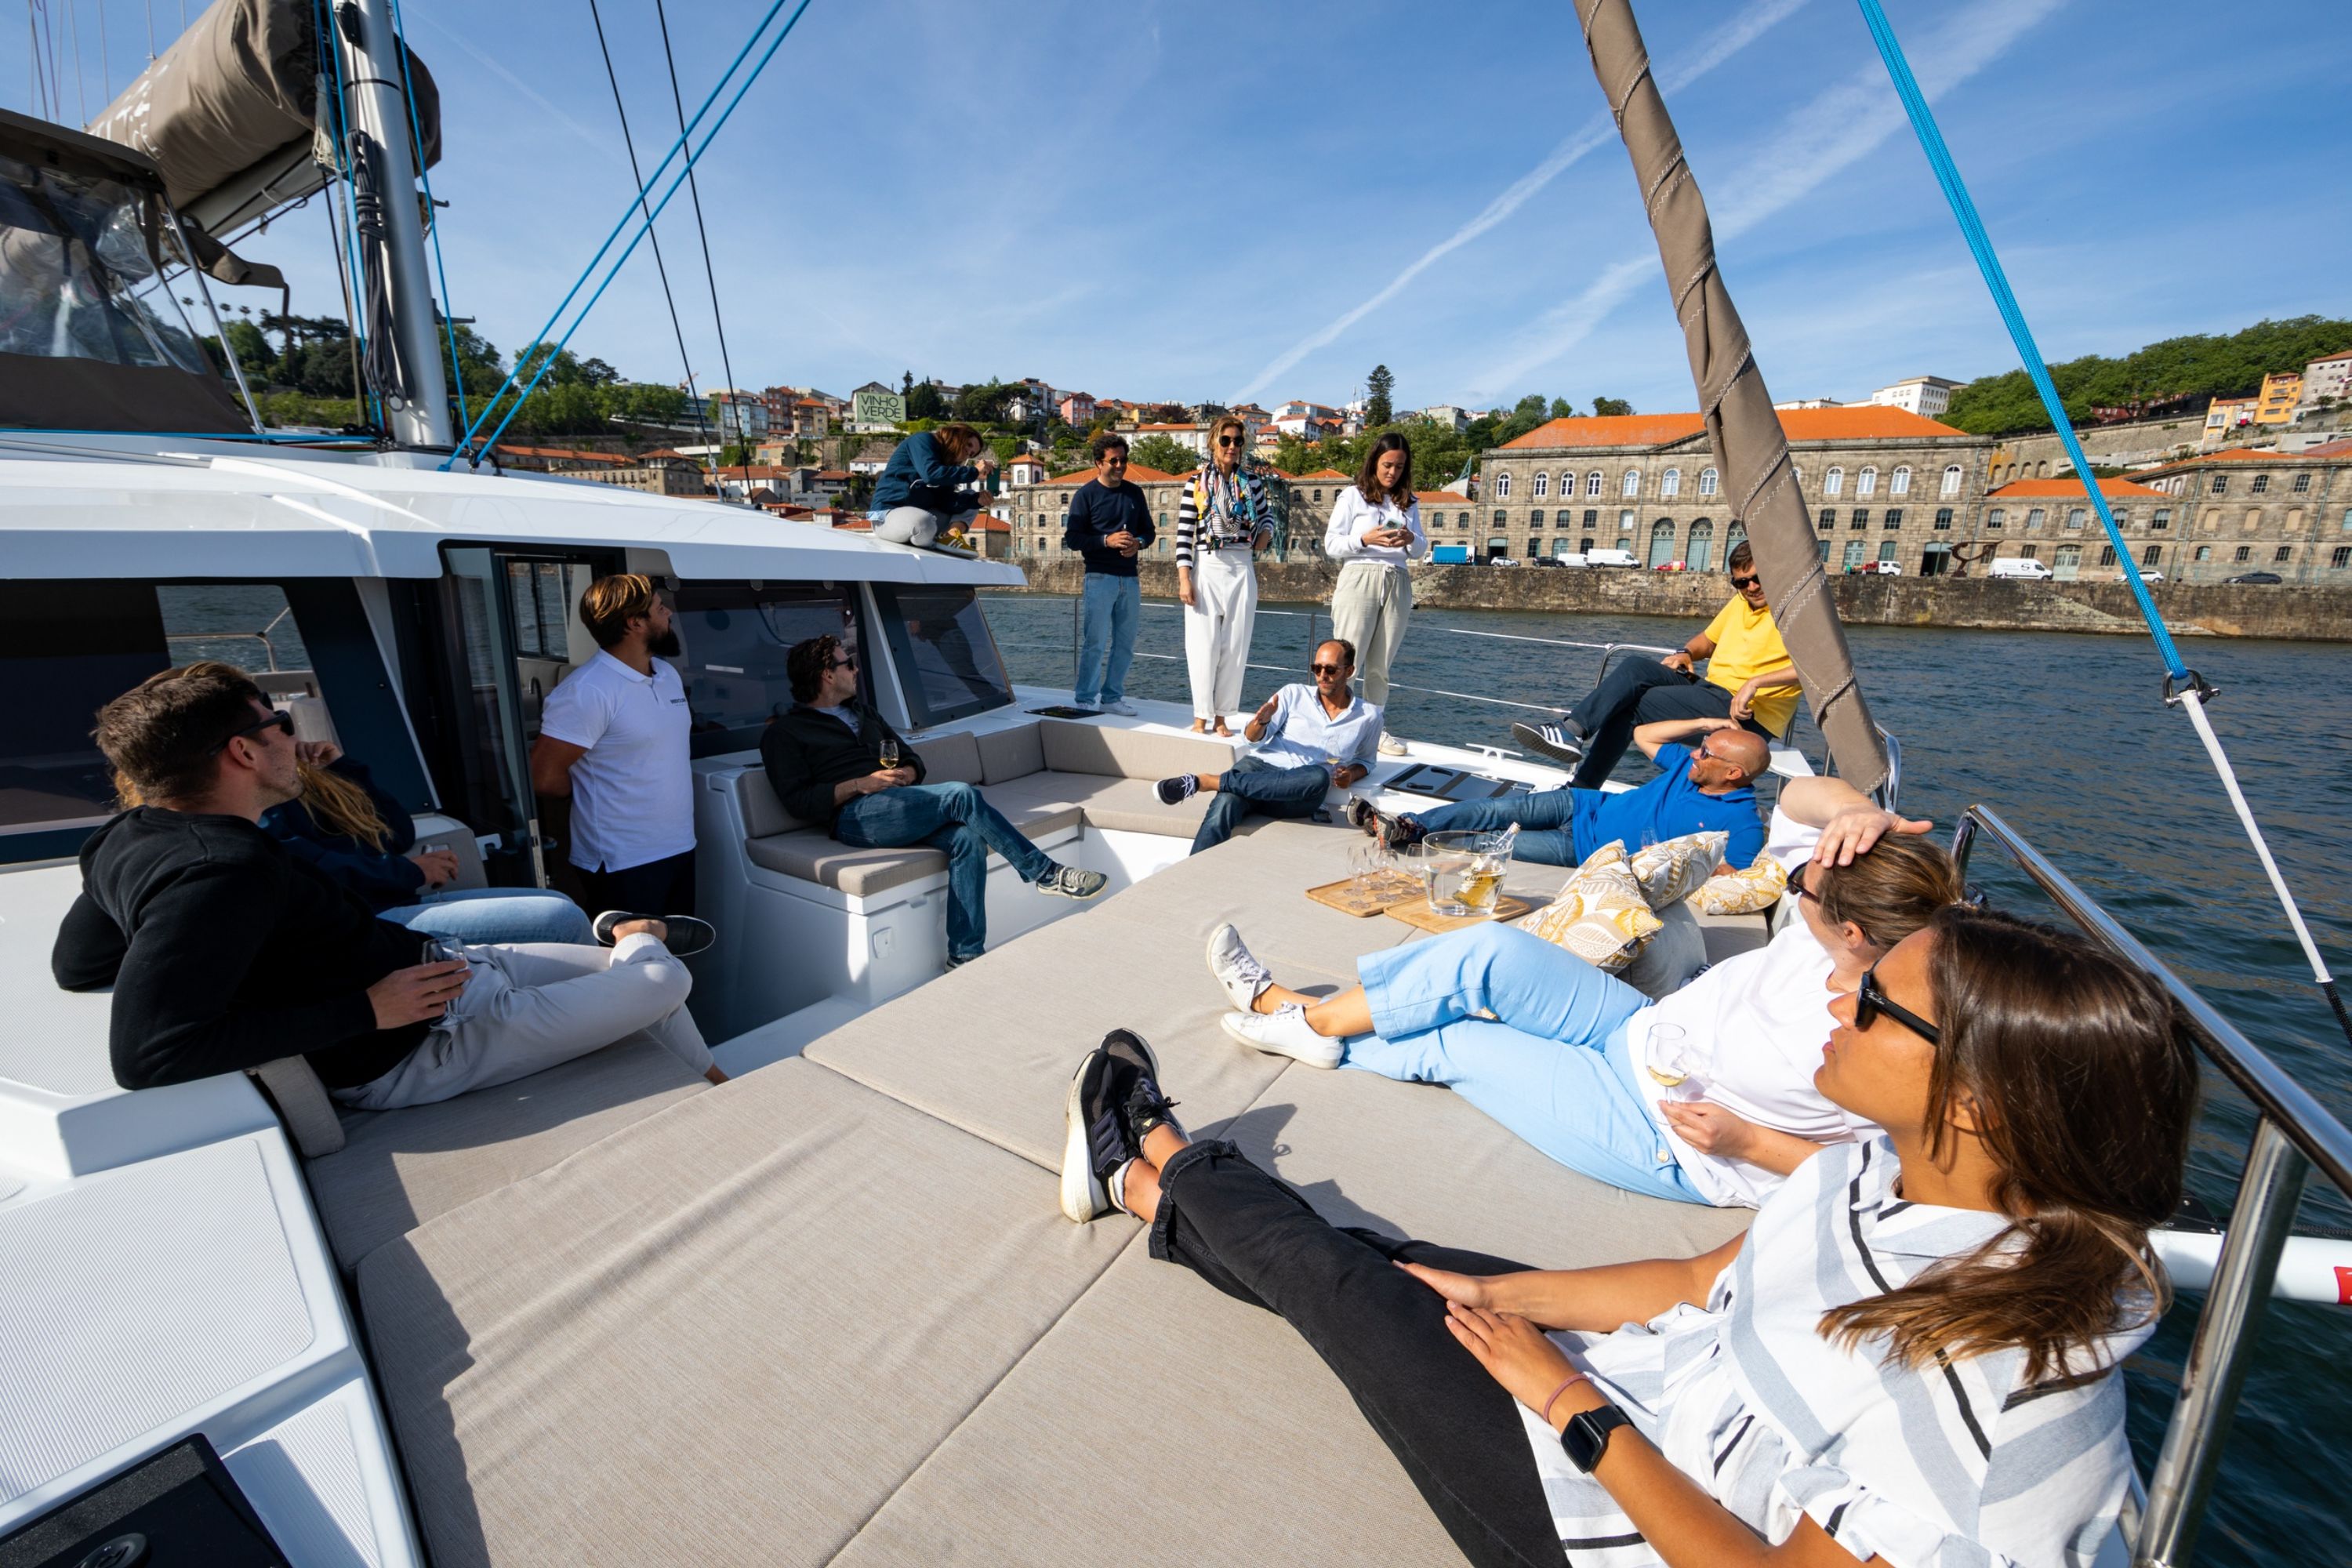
(302, 1104)
(763, 814)
(949, 759)
(725, 1335)
(1010, 753)
(814, 856)
(399, 1168)
(1080, 746)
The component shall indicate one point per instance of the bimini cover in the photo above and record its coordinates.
(229, 111)
(91, 336)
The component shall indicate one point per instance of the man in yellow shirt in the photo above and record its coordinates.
(1748, 678)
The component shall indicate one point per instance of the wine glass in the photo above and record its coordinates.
(890, 753)
(1667, 1057)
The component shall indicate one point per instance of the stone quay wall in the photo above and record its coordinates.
(2218, 609)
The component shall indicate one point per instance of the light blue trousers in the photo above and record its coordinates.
(1550, 1063)
(487, 915)
(1108, 608)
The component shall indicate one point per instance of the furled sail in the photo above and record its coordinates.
(1749, 446)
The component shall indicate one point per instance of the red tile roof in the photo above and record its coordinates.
(1323, 474)
(2113, 489)
(1440, 497)
(1799, 425)
(2240, 455)
(1136, 472)
(566, 453)
(2330, 449)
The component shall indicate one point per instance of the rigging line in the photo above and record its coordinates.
(717, 126)
(151, 31)
(694, 191)
(1948, 174)
(659, 169)
(345, 215)
(73, 30)
(629, 141)
(431, 223)
(105, 74)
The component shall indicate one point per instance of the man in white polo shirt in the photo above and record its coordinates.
(1311, 740)
(612, 736)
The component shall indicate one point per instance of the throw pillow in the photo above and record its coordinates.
(1670, 960)
(1673, 871)
(1743, 892)
(1600, 914)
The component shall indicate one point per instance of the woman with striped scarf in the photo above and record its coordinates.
(1222, 523)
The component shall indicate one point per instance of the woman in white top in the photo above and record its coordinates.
(1375, 534)
(1910, 1359)
(1222, 523)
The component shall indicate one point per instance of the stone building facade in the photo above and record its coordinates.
(2053, 522)
(2240, 511)
(1881, 484)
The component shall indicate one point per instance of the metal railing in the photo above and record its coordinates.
(268, 648)
(2293, 1133)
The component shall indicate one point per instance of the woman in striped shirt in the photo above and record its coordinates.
(1911, 1358)
(1222, 523)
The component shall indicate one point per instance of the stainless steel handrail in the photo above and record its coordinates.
(262, 637)
(2293, 1133)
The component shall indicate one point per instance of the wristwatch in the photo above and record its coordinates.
(1586, 1437)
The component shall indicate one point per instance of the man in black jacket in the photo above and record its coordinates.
(225, 953)
(823, 761)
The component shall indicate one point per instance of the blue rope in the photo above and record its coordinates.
(331, 42)
(1939, 157)
(635, 206)
(433, 228)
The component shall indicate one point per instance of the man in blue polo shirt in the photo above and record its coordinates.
(1706, 783)
(1310, 740)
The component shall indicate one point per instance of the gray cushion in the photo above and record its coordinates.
(949, 759)
(399, 1168)
(726, 1334)
(1671, 956)
(762, 813)
(302, 1104)
(815, 857)
(1081, 746)
(1010, 753)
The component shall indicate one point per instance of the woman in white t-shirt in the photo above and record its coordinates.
(1706, 1095)
(1912, 1358)
(1375, 534)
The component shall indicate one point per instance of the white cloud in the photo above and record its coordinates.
(1838, 128)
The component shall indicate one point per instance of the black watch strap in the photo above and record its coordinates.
(1586, 1437)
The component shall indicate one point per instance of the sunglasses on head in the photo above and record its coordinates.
(1744, 584)
(281, 720)
(1870, 999)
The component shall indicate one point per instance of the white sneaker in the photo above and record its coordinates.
(1392, 747)
(1285, 1032)
(1123, 708)
(1236, 967)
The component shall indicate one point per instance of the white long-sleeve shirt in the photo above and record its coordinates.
(1352, 517)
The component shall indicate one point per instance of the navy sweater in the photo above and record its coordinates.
(1097, 513)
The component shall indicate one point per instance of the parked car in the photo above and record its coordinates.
(1671, 566)
(2255, 577)
(1544, 561)
(1502, 561)
(1876, 569)
(1572, 560)
(2019, 566)
(2151, 574)
(1609, 558)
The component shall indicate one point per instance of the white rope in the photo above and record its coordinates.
(2196, 716)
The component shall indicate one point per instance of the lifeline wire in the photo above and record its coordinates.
(1948, 175)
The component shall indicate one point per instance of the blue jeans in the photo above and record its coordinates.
(1106, 642)
(956, 819)
(1254, 784)
(1546, 818)
(493, 915)
(1551, 1065)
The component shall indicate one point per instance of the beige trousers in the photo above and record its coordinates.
(1370, 608)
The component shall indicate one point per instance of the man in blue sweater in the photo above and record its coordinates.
(1109, 524)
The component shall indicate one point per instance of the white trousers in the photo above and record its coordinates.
(1369, 607)
(529, 1006)
(1218, 624)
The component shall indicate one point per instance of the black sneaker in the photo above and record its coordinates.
(1099, 1140)
(688, 936)
(1174, 790)
(1559, 742)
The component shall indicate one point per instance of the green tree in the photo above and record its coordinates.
(984, 405)
(1169, 457)
(924, 402)
(1607, 407)
(1377, 387)
(1562, 408)
(2180, 372)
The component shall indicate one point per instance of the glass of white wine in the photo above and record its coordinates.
(890, 753)
(1665, 1056)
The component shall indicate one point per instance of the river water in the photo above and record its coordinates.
(2068, 739)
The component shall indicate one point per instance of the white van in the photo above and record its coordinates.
(2019, 566)
(1609, 558)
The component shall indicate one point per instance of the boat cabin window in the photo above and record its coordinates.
(732, 641)
(946, 656)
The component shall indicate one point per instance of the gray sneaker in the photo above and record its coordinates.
(1071, 882)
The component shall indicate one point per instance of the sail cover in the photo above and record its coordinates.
(229, 111)
(1749, 446)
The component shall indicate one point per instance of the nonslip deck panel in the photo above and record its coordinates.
(724, 1335)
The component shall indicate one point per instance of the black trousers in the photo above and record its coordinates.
(1641, 692)
(1451, 1426)
(656, 888)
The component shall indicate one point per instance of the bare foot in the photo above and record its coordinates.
(1200, 726)
(654, 928)
(1228, 735)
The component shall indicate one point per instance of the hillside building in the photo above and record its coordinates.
(2244, 511)
(1925, 395)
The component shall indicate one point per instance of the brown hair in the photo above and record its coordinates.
(2084, 1083)
(1892, 891)
(966, 438)
(1219, 426)
(1368, 478)
(806, 662)
(612, 603)
(163, 734)
(1740, 556)
(341, 805)
(1108, 441)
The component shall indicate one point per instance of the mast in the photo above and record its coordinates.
(1750, 447)
(376, 107)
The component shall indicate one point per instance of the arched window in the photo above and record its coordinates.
(1535, 519)
(1592, 484)
(1996, 519)
(1501, 517)
(1542, 487)
(1503, 486)
(1834, 482)
(1887, 550)
(1631, 485)
(1865, 483)
(1951, 481)
(2041, 469)
(1584, 545)
(1497, 547)
(1671, 483)
(1899, 482)
(1708, 481)
(1854, 549)
(1662, 541)
(1736, 537)
(1701, 545)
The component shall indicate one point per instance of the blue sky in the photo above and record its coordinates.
(1196, 201)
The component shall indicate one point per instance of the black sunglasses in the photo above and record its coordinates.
(1326, 669)
(1229, 440)
(848, 663)
(1744, 584)
(1870, 999)
(281, 720)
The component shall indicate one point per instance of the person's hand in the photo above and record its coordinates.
(881, 779)
(317, 753)
(1262, 539)
(1514, 1351)
(985, 462)
(1467, 1289)
(1184, 587)
(1122, 540)
(1852, 831)
(440, 866)
(1743, 702)
(418, 996)
(1266, 712)
(1710, 1129)
(1678, 660)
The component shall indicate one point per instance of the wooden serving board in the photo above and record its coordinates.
(1417, 912)
(1377, 897)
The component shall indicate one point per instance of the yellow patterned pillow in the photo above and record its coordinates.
(1673, 871)
(1601, 915)
(1744, 893)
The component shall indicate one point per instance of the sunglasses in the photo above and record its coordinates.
(1870, 999)
(1229, 440)
(850, 663)
(1744, 584)
(1114, 459)
(282, 721)
(1326, 669)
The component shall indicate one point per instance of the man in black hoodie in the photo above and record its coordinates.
(225, 953)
